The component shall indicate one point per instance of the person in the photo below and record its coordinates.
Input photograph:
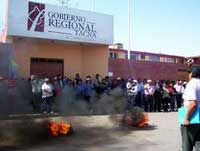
(97, 84)
(190, 132)
(171, 90)
(149, 90)
(36, 93)
(80, 90)
(139, 93)
(57, 87)
(60, 81)
(47, 96)
(131, 88)
(65, 81)
(77, 79)
(88, 88)
(165, 96)
(158, 96)
(179, 92)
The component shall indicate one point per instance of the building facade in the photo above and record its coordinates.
(49, 40)
(144, 65)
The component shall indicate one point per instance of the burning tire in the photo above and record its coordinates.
(135, 117)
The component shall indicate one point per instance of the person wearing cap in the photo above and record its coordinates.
(149, 90)
(179, 92)
(47, 96)
(191, 132)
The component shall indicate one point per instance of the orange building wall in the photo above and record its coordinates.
(95, 60)
(78, 58)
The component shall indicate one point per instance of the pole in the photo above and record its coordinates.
(93, 7)
(129, 28)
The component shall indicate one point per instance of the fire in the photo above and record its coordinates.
(144, 120)
(131, 119)
(57, 128)
(64, 128)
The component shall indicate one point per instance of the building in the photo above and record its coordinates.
(144, 65)
(116, 46)
(48, 40)
(196, 59)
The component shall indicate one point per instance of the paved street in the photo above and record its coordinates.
(98, 133)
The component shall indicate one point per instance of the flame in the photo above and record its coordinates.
(144, 120)
(64, 128)
(57, 128)
(130, 120)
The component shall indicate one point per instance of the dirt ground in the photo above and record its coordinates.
(100, 133)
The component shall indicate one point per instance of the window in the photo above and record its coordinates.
(133, 56)
(171, 60)
(126, 55)
(115, 55)
(154, 58)
(142, 56)
(111, 55)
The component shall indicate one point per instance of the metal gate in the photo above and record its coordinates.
(45, 67)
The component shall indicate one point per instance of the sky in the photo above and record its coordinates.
(158, 26)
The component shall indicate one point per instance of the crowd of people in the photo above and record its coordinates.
(152, 96)
(155, 96)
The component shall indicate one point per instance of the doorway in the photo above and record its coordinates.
(46, 67)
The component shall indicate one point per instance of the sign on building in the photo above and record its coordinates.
(38, 20)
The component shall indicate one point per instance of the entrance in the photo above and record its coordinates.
(44, 67)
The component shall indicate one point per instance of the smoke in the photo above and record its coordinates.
(112, 103)
(15, 99)
(107, 103)
(4, 60)
(24, 132)
(69, 104)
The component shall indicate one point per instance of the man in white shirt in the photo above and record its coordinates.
(191, 132)
(132, 89)
(179, 92)
(47, 95)
(149, 90)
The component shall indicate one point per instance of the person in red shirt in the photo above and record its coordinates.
(172, 91)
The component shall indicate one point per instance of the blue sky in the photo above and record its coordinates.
(159, 26)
